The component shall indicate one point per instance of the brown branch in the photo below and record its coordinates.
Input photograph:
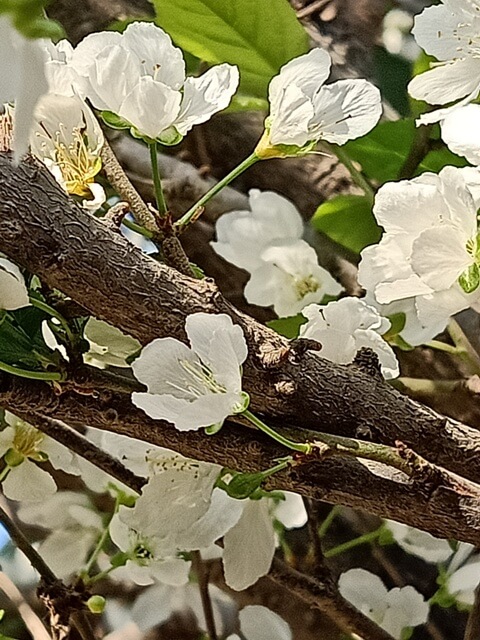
(435, 502)
(70, 250)
(326, 597)
(202, 576)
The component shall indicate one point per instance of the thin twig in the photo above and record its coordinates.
(121, 183)
(30, 618)
(79, 619)
(202, 577)
(311, 8)
(419, 149)
(86, 449)
(25, 547)
(326, 597)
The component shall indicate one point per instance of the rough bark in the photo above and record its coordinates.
(76, 253)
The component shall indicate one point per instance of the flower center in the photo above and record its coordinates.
(200, 378)
(306, 285)
(71, 153)
(142, 555)
(27, 440)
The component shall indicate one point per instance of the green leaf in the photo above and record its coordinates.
(288, 327)
(259, 37)
(349, 221)
(384, 150)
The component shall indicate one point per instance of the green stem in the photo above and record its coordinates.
(468, 351)
(304, 447)
(371, 536)
(4, 473)
(357, 176)
(443, 346)
(33, 375)
(103, 574)
(161, 204)
(278, 467)
(137, 228)
(193, 212)
(101, 542)
(43, 306)
(323, 528)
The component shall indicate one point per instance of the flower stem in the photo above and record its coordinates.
(161, 204)
(137, 228)
(325, 526)
(371, 536)
(357, 176)
(194, 211)
(467, 350)
(443, 346)
(33, 375)
(304, 447)
(103, 574)
(101, 542)
(4, 473)
(43, 306)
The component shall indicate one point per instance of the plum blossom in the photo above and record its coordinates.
(74, 527)
(303, 110)
(393, 611)
(68, 139)
(22, 79)
(21, 446)
(139, 76)
(427, 262)
(289, 279)
(108, 345)
(345, 326)
(420, 543)
(259, 623)
(144, 559)
(462, 575)
(198, 386)
(243, 235)
(448, 31)
(460, 131)
(13, 292)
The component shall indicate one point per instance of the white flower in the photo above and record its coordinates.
(146, 562)
(243, 235)
(75, 528)
(420, 543)
(22, 79)
(461, 132)
(22, 445)
(291, 511)
(108, 345)
(428, 254)
(140, 76)
(259, 623)
(302, 111)
(463, 575)
(289, 279)
(198, 386)
(393, 610)
(344, 327)
(62, 77)
(449, 32)
(13, 292)
(68, 139)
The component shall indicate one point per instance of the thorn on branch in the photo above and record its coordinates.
(367, 360)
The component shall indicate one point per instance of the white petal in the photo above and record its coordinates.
(365, 591)
(203, 331)
(59, 456)
(440, 255)
(206, 95)
(13, 292)
(28, 483)
(151, 107)
(289, 122)
(447, 83)
(249, 546)
(420, 543)
(173, 571)
(434, 32)
(461, 132)
(308, 72)
(259, 623)
(407, 608)
(66, 551)
(345, 110)
(291, 512)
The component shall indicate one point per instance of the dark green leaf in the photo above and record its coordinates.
(288, 327)
(259, 37)
(349, 221)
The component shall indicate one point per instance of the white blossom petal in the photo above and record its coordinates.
(259, 623)
(28, 483)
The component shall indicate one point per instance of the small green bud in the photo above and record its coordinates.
(244, 485)
(96, 604)
(13, 458)
(469, 280)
